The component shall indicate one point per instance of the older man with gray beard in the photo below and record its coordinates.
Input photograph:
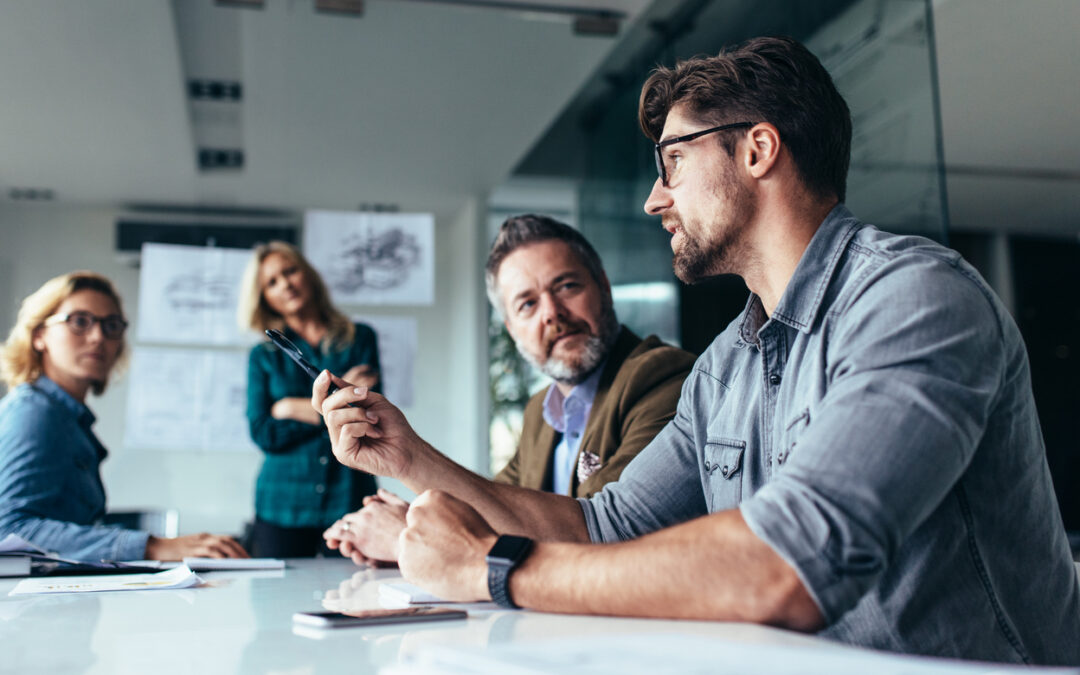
(611, 394)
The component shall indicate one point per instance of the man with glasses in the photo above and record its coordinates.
(858, 454)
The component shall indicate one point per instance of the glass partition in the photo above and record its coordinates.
(880, 54)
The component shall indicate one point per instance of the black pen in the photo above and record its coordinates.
(293, 352)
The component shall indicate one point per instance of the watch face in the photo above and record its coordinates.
(510, 548)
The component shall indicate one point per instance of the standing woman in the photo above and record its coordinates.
(67, 338)
(301, 489)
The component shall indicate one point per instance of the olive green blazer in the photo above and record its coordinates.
(637, 394)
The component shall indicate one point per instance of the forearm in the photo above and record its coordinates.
(509, 509)
(297, 409)
(711, 568)
(78, 542)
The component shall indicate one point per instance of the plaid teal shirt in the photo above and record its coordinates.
(301, 484)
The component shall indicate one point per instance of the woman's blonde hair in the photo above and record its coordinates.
(253, 312)
(20, 362)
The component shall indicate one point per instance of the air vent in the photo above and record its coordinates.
(351, 7)
(211, 159)
(202, 227)
(215, 90)
(31, 194)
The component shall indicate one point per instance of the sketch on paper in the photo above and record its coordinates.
(373, 258)
(376, 260)
(189, 294)
(202, 291)
(187, 399)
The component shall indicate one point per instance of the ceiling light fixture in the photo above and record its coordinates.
(585, 20)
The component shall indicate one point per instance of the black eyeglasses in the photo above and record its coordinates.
(661, 167)
(81, 323)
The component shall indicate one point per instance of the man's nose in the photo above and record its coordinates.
(659, 199)
(551, 309)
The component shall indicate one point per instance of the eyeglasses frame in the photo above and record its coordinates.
(658, 148)
(64, 319)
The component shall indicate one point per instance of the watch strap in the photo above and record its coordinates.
(499, 570)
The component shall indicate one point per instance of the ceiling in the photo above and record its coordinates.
(413, 105)
(422, 105)
(1009, 82)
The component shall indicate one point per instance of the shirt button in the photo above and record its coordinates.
(320, 488)
(574, 434)
(774, 379)
(324, 460)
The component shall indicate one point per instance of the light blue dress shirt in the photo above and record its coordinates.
(568, 415)
(879, 432)
(50, 484)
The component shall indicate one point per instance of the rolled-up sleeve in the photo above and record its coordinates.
(915, 364)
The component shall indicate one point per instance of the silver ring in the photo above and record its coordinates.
(344, 527)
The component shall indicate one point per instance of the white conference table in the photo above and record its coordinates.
(241, 622)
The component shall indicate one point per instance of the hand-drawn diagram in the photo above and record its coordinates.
(189, 294)
(376, 260)
(373, 258)
(200, 291)
(187, 399)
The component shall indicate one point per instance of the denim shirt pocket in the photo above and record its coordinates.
(723, 460)
(792, 431)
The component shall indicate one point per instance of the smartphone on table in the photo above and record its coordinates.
(377, 617)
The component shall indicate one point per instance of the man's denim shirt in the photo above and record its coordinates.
(50, 485)
(878, 431)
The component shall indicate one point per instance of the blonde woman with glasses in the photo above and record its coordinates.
(67, 340)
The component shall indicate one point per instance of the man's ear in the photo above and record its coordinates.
(762, 149)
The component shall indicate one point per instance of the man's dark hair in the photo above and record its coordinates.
(767, 79)
(523, 230)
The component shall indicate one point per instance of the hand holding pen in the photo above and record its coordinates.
(293, 352)
(367, 431)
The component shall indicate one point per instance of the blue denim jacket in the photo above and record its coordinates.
(878, 431)
(50, 485)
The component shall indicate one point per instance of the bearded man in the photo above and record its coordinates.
(611, 391)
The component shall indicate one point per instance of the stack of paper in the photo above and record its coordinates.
(14, 565)
(179, 577)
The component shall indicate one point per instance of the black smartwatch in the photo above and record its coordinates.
(504, 556)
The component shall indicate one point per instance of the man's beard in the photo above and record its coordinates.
(697, 260)
(592, 354)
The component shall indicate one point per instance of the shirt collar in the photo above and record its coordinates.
(800, 304)
(56, 394)
(555, 402)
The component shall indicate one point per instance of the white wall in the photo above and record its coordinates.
(215, 491)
